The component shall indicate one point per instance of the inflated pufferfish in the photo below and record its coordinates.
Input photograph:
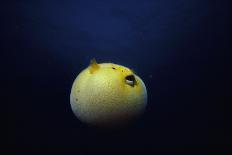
(108, 94)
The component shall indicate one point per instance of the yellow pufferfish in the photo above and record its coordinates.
(108, 94)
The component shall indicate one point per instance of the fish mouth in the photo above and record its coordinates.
(130, 80)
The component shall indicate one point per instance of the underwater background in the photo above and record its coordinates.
(174, 46)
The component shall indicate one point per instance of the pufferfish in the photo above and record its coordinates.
(107, 95)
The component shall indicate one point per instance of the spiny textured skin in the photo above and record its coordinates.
(103, 98)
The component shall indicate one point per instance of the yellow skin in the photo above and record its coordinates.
(101, 95)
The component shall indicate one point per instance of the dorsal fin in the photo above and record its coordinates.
(93, 66)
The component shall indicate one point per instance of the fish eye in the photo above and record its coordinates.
(130, 80)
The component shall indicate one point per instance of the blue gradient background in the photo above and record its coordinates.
(174, 46)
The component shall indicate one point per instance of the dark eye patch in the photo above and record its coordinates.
(130, 80)
(130, 77)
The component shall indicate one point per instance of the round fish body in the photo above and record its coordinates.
(108, 94)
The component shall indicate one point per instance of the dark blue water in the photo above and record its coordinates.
(174, 46)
